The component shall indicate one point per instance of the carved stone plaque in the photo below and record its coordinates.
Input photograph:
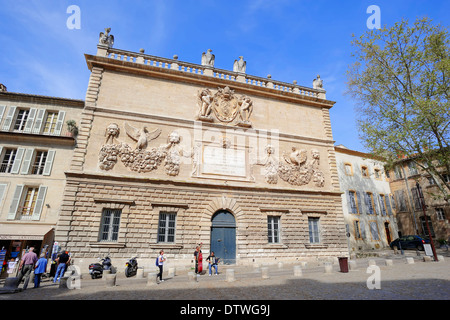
(222, 161)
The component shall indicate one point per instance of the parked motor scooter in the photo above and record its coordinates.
(131, 267)
(96, 269)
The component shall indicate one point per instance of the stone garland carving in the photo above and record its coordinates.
(225, 106)
(140, 159)
(296, 170)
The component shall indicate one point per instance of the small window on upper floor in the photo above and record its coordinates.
(21, 119)
(377, 173)
(348, 169)
(365, 171)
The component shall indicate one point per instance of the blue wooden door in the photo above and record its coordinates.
(223, 237)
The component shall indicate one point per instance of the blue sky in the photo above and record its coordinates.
(291, 40)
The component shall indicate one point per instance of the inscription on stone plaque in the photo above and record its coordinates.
(221, 161)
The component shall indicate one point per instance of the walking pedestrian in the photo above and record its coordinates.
(41, 267)
(26, 266)
(161, 260)
(63, 260)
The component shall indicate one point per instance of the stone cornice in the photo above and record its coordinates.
(47, 100)
(37, 139)
(203, 80)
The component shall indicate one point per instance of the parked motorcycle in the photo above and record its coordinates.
(131, 267)
(96, 269)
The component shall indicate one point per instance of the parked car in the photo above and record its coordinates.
(410, 242)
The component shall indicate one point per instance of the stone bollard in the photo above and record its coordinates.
(140, 273)
(280, 265)
(372, 262)
(440, 258)
(171, 273)
(298, 271)
(230, 275)
(151, 279)
(427, 258)
(328, 267)
(110, 279)
(63, 282)
(11, 285)
(192, 277)
(303, 264)
(351, 265)
(389, 262)
(409, 260)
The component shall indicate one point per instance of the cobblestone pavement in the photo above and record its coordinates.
(401, 281)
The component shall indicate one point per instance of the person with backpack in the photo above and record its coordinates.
(160, 263)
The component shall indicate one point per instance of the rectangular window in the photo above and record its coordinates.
(39, 162)
(370, 204)
(8, 160)
(348, 169)
(50, 122)
(374, 230)
(440, 213)
(398, 172)
(416, 198)
(412, 168)
(29, 203)
(166, 230)
(21, 119)
(424, 226)
(401, 202)
(377, 173)
(273, 226)
(365, 172)
(313, 225)
(353, 202)
(109, 228)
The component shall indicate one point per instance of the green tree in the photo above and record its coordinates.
(400, 79)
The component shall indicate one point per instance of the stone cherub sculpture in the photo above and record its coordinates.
(204, 100)
(245, 109)
(318, 83)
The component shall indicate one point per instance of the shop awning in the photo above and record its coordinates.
(24, 232)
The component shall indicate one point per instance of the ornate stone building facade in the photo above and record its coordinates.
(172, 154)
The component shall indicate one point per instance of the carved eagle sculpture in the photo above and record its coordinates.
(296, 157)
(141, 136)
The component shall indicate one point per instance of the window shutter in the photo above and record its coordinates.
(30, 120)
(376, 203)
(2, 112)
(9, 119)
(349, 202)
(39, 120)
(17, 160)
(359, 202)
(15, 202)
(388, 204)
(2, 192)
(49, 162)
(39, 203)
(27, 161)
(59, 122)
(363, 229)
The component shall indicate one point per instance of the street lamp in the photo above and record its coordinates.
(422, 203)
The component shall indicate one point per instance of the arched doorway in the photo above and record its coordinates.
(388, 232)
(223, 236)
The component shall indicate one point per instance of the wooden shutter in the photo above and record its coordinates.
(39, 203)
(359, 201)
(30, 120)
(39, 121)
(17, 160)
(49, 162)
(2, 112)
(2, 192)
(15, 202)
(59, 122)
(27, 161)
(9, 119)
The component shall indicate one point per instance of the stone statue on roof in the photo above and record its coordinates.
(208, 59)
(239, 65)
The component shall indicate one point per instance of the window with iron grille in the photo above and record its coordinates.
(313, 224)
(8, 160)
(273, 224)
(109, 229)
(166, 229)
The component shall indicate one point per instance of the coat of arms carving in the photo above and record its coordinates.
(225, 106)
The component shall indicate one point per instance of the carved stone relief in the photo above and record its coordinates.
(225, 106)
(141, 158)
